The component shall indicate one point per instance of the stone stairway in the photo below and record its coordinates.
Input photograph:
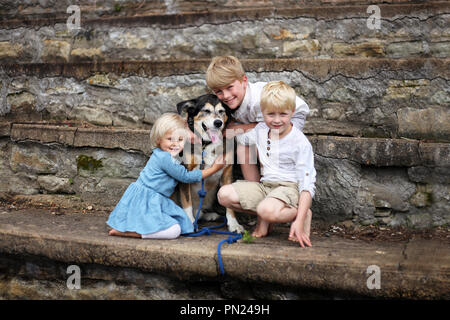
(130, 61)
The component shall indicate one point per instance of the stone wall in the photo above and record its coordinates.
(378, 98)
(385, 181)
(418, 30)
(379, 118)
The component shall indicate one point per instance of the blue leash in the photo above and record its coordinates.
(233, 237)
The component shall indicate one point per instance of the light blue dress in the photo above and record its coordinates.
(145, 206)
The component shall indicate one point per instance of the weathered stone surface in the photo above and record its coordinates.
(55, 51)
(5, 129)
(124, 139)
(54, 184)
(10, 52)
(431, 123)
(369, 151)
(410, 49)
(363, 179)
(345, 97)
(82, 54)
(264, 32)
(45, 134)
(301, 48)
(365, 49)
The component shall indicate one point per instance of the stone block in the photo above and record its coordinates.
(435, 154)
(10, 52)
(405, 49)
(55, 184)
(301, 48)
(363, 49)
(55, 51)
(368, 151)
(94, 115)
(83, 54)
(407, 89)
(430, 123)
(43, 133)
(5, 129)
(113, 138)
(33, 160)
(440, 49)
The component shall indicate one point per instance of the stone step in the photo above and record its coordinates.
(417, 269)
(406, 30)
(34, 9)
(385, 98)
(365, 151)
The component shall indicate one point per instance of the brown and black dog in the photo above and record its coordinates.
(207, 117)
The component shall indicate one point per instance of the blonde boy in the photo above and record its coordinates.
(226, 77)
(286, 187)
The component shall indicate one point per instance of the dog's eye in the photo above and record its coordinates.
(221, 111)
(206, 111)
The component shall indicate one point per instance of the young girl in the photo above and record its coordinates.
(145, 210)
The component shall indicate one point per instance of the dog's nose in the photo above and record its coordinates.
(218, 123)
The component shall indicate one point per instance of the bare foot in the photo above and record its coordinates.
(263, 228)
(114, 232)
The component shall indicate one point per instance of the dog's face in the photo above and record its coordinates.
(206, 116)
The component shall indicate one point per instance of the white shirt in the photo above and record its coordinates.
(290, 158)
(250, 109)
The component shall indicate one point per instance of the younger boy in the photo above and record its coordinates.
(226, 77)
(286, 188)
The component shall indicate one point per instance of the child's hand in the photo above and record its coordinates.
(231, 133)
(219, 163)
(297, 234)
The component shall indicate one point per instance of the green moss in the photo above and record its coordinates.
(88, 163)
(117, 7)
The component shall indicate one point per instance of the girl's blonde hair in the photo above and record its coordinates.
(222, 71)
(277, 96)
(167, 122)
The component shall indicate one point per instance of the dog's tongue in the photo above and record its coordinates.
(214, 135)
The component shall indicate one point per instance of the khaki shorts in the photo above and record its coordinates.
(252, 193)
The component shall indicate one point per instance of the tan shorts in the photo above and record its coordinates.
(252, 193)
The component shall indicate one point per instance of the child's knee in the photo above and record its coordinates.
(223, 195)
(265, 210)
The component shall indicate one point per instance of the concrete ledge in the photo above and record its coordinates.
(125, 139)
(320, 69)
(199, 15)
(415, 269)
(366, 151)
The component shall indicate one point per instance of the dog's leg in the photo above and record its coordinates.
(233, 224)
(186, 200)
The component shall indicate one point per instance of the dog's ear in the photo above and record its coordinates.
(186, 108)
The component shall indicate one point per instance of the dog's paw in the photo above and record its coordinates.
(234, 226)
(211, 216)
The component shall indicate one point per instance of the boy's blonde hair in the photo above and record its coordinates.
(167, 122)
(277, 96)
(224, 70)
